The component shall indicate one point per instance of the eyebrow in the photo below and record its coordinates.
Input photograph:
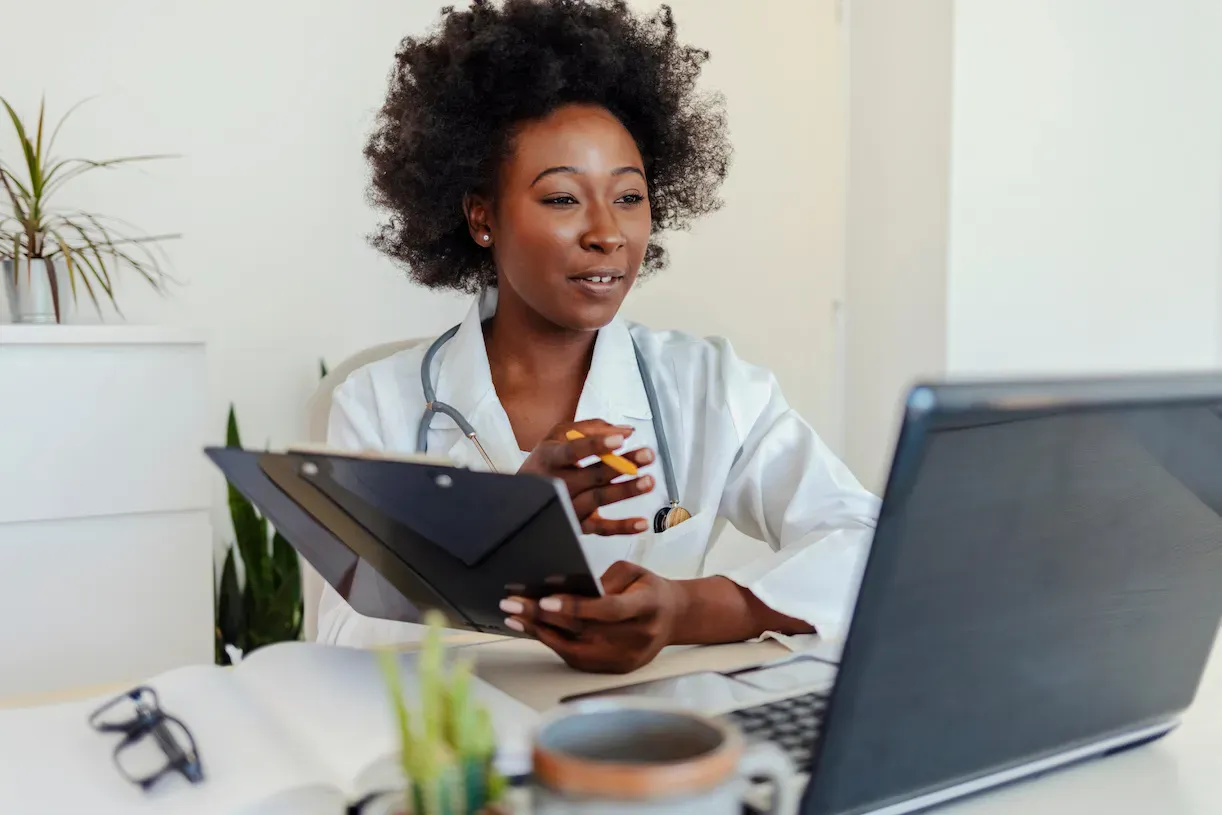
(577, 171)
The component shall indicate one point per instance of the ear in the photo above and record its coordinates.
(478, 210)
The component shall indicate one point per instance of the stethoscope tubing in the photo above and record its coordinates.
(432, 407)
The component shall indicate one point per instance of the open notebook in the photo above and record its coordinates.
(295, 728)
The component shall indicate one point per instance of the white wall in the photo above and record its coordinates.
(1080, 142)
(1086, 186)
(900, 79)
(270, 103)
(767, 270)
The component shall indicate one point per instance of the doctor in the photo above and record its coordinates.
(531, 154)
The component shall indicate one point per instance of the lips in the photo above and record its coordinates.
(599, 281)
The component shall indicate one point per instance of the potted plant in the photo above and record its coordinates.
(266, 606)
(447, 758)
(35, 239)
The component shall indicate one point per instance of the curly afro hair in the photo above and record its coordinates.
(456, 95)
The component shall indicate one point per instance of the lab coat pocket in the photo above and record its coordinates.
(678, 552)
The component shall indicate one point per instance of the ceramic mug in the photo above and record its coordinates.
(609, 757)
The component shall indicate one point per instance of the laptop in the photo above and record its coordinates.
(1044, 587)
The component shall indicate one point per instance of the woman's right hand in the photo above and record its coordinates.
(590, 487)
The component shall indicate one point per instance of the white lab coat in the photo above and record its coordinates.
(740, 453)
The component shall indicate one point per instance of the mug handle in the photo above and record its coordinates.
(767, 761)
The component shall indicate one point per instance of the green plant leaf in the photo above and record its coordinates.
(72, 281)
(232, 437)
(26, 147)
(53, 284)
(42, 110)
(250, 533)
(390, 672)
(100, 272)
(77, 167)
(249, 529)
(287, 570)
(250, 613)
(64, 118)
(74, 269)
(8, 181)
(229, 609)
(284, 621)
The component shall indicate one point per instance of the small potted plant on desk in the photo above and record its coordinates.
(448, 757)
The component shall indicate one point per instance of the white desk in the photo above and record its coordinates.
(1179, 775)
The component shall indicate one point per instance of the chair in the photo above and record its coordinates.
(318, 412)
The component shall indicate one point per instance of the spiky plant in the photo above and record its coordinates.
(91, 246)
(266, 606)
(448, 758)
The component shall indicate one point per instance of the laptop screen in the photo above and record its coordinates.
(1039, 581)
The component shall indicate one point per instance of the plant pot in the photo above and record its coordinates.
(27, 282)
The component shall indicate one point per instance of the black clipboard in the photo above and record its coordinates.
(397, 538)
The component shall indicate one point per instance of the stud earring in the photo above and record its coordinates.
(486, 237)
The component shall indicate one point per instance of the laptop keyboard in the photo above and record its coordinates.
(792, 723)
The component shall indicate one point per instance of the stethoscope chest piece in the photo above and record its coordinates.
(670, 517)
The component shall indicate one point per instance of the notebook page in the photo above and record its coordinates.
(335, 700)
(54, 762)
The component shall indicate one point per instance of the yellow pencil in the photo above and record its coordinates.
(617, 463)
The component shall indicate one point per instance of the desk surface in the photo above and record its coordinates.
(1181, 774)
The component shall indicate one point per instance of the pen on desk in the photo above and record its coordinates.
(618, 463)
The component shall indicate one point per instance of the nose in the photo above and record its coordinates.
(603, 234)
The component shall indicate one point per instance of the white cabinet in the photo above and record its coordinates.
(105, 540)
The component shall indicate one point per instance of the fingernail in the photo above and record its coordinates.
(551, 604)
(644, 483)
(644, 457)
(510, 622)
(512, 607)
(641, 526)
(613, 442)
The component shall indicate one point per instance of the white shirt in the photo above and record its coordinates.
(740, 454)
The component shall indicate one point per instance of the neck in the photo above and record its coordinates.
(523, 346)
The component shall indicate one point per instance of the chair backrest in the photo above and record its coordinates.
(318, 412)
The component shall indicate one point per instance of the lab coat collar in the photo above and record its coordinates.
(613, 390)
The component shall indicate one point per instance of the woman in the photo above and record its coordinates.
(531, 154)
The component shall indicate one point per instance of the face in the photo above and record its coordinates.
(570, 221)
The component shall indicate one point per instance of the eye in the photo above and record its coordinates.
(560, 200)
(631, 198)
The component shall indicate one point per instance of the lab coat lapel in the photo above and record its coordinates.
(614, 393)
(464, 381)
(613, 390)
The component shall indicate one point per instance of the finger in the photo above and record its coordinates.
(571, 452)
(597, 525)
(611, 608)
(527, 609)
(620, 575)
(599, 473)
(570, 650)
(585, 503)
(589, 427)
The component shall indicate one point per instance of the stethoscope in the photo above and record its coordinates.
(666, 517)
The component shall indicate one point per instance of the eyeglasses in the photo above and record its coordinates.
(154, 743)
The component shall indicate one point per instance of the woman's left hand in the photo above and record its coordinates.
(616, 633)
